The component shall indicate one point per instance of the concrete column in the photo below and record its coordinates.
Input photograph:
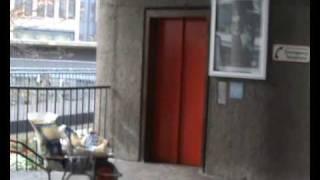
(105, 62)
(127, 81)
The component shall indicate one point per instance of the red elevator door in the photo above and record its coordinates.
(177, 89)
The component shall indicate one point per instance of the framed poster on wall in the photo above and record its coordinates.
(238, 44)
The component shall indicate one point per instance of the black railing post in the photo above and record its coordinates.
(70, 110)
(76, 116)
(105, 113)
(100, 104)
(27, 125)
(89, 106)
(17, 128)
(94, 108)
(55, 101)
(46, 100)
(37, 100)
(19, 124)
(82, 114)
(37, 108)
(63, 116)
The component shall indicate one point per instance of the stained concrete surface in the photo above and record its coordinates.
(130, 170)
(264, 136)
(120, 39)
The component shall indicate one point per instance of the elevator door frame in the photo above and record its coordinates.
(153, 13)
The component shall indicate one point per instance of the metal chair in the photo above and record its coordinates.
(51, 157)
(48, 142)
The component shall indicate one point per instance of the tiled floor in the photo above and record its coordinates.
(130, 171)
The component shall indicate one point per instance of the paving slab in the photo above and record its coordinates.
(130, 171)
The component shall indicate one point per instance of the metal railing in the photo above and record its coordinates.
(79, 108)
(52, 78)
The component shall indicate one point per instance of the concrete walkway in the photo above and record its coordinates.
(130, 171)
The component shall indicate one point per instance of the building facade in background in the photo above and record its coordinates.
(53, 20)
(51, 37)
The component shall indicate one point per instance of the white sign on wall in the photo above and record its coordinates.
(290, 53)
(222, 92)
(236, 90)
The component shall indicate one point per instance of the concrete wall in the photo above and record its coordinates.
(119, 64)
(263, 136)
(266, 134)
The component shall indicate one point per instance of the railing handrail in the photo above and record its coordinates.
(27, 147)
(35, 73)
(79, 107)
(59, 88)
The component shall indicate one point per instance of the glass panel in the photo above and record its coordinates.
(18, 5)
(28, 8)
(83, 20)
(238, 35)
(72, 7)
(41, 8)
(62, 9)
(88, 20)
(50, 8)
(35, 34)
(92, 21)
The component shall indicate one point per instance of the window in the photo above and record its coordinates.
(88, 20)
(45, 8)
(72, 7)
(62, 9)
(18, 4)
(39, 34)
(41, 8)
(28, 8)
(50, 8)
(76, 16)
(67, 9)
